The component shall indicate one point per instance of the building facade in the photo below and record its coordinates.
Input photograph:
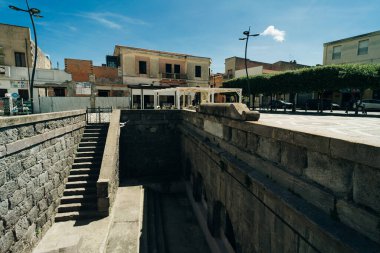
(361, 49)
(103, 81)
(16, 62)
(235, 67)
(158, 68)
(364, 48)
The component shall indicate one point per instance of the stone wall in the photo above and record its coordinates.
(149, 144)
(283, 191)
(36, 154)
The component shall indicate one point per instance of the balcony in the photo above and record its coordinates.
(174, 76)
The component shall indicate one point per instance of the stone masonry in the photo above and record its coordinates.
(36, 153)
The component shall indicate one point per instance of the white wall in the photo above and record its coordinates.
(251, 72)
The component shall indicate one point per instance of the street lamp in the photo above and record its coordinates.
(33, 12)
(248, 34)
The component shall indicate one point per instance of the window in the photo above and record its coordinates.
(24, 94)
(177, 69)
(103, 93)
(20, 59)
(142, 67)
(2, 92)
(363, 47)
(198, 71)
(229, 74)
(337, 52)
(168, 68)
(59, 92)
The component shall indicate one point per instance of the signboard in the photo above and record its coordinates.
(83, 89)
(23, 84)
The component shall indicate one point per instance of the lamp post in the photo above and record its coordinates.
(248, 34)
(33, 12)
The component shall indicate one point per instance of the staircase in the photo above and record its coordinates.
(79, 199)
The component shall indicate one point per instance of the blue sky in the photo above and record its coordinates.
(85, 29)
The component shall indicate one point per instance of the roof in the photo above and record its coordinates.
(14, 25)
(353, 38)
(161, 52)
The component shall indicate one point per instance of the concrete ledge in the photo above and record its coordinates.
(108, 180)
(34, 140)
(27, 119)
(235, 111)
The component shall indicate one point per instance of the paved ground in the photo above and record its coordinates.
(364, 130)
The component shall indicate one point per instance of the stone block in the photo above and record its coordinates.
(43, 178)
(14, 170)
(213, 128)
(359, 219)
(269, 149)
(2, 228)
(17, 197)
(25, 131)
(29, 162)
(239, 138)
(6, 241)
(42, 205)
(7, 190)
(11, 217)
(26, 205)
(334, 174)
(227, 133)
(312, 142)
(33, 214)
(21, 227)
(366, 187)
(4, 207)
(252, 142)
(39, 127)
(36, 170)
(3, 150)
(8, 136)
(356, 152)
(38, 194)
(2, 177)
(293, 158)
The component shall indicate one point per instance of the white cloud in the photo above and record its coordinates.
(275, 33)
(111, 20)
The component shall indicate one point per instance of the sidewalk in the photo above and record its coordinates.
(119, 232)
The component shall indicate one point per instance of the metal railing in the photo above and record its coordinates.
(98, 115)
(174, 76)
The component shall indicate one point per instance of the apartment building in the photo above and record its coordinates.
(364, 48)
(235, 67)
(145, 70)
(16, 58)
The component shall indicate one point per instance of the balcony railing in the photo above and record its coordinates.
(176, 76)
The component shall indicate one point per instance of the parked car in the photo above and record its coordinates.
(280, 104)
(315, 104)
(368, 104)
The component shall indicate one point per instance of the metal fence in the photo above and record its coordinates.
(98, 115)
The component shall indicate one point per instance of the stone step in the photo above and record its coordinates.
(84, 149)
(84, 171)
(95, 134)
(82, 165)
(80, 184)
(92, 126)
(87, 153)
(91, 198)
(76, 215)
(76, 207)
(79, 191)
(81, 177)
(92, 143)
(83, 159)
(93, 139)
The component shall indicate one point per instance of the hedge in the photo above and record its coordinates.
(314, 79)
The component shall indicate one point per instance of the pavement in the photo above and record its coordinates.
(119, 232)
(365, 130)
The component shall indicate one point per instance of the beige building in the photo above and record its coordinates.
(17, 48)
(158, 68)
(363, 48)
